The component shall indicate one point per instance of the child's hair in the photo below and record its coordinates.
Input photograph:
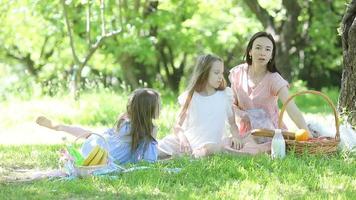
(142, 107)
(199, 79)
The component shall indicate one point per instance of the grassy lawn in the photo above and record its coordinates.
(220, 176)
(216, 177)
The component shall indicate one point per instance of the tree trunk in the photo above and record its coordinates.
(347, 98)
(128, 65)
(283, 60)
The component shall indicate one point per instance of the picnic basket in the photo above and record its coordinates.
(324, 146)
(83, 171)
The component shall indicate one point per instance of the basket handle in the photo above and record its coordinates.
(280, 117)
(92, 133)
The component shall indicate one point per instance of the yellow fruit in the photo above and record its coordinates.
(104, 159)
(96, 160)
(301, 135)
(91, 155)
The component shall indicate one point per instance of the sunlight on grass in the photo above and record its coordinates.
(336, 184)
(221, 176)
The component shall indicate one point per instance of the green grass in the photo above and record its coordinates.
(217, 177)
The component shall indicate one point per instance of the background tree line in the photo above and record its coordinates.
(75, 44)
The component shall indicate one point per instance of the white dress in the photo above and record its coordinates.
(205, 121)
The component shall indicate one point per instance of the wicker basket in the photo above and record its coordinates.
(325, 146)
(83, 171)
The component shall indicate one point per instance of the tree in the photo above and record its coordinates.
(28, 39)
(79, 64)
(347, 98)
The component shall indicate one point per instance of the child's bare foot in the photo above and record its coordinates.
(43, 121)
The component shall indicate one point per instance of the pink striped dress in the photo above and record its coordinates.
(263, 96)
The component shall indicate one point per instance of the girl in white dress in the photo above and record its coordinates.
(206, 106)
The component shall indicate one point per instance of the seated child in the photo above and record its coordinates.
(133, 138)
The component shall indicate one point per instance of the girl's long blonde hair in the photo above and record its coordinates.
(199, 80)
(142, 107)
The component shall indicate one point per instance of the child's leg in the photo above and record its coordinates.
(206, 150)
(168, 146)
(73, 130)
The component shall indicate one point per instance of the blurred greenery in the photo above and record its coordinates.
(311, 103)
(157, 42)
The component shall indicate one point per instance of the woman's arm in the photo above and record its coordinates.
(240, 115)
(236, 140)
(293, 110)
(233, 127)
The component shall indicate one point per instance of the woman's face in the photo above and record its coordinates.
(261, 51)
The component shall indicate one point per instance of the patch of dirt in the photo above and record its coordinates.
(28, 175)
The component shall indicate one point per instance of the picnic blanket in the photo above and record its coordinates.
(111, 171)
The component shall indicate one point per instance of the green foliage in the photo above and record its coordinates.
(323, 58)
(154, 42)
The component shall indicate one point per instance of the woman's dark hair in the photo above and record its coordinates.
(271, 65)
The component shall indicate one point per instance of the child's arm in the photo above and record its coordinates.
(236, 141)
(293, 110)
(73, 130)
(184, 145)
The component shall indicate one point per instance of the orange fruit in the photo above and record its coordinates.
(301, 135)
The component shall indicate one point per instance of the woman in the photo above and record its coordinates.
(257, 86)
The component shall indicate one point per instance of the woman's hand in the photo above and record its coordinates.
(236, 142)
